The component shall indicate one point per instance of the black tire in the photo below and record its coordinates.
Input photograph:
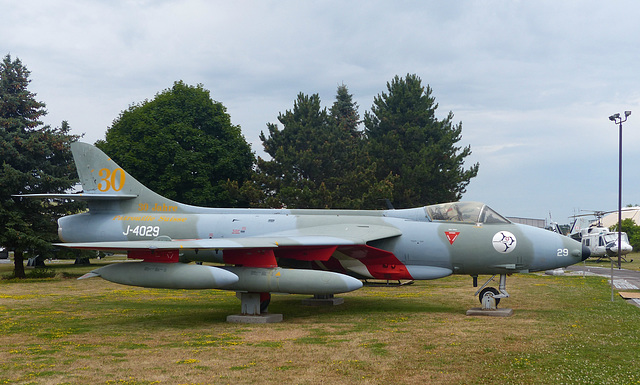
(264, 304)
(491, 290)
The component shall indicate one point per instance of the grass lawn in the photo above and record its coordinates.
(565, 330)
(633, 262)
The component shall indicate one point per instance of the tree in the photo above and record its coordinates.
(291, 177)
(34, 159)
(318, 158)
(182, 145)
(406, 139)
(356, 171)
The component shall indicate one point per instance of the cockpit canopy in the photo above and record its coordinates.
(466, 212)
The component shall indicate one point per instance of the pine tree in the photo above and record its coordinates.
(406, 139)
(34, 159)
(293, 177)
(355, 181)
(318, 158)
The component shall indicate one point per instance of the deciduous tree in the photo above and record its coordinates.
(182, 145)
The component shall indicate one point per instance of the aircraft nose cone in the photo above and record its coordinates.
(586, 253)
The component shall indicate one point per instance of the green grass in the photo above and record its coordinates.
(632, 263)
(564, 330)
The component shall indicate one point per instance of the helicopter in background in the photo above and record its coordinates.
(602, 242)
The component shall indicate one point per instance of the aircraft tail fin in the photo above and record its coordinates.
(108, 187)
(555, 227)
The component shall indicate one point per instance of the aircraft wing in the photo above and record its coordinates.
(337, 235)
(316, 243)
(318, 236)
(174, 244)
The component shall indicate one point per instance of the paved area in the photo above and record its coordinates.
(622, 279)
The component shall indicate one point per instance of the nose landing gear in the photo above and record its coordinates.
(490, 298)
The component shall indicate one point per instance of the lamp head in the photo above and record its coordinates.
(627, 113)
(614, 117)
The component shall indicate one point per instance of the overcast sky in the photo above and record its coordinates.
(533, 82)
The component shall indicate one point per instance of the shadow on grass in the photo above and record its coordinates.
(185, 313)
(362, 305)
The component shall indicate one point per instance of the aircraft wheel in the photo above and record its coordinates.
(265, 299)
(489, 290)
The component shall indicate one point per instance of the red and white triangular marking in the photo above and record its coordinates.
(451, 236)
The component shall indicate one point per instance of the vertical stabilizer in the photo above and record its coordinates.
(108, 187)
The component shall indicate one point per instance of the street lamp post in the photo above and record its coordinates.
(617, 119)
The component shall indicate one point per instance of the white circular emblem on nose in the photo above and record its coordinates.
(504, 242)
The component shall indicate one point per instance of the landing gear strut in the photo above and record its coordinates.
(489, 296)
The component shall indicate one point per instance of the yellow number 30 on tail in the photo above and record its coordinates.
(112, 180)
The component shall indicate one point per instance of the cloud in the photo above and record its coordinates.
(532, 82)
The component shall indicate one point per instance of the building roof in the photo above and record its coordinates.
(611, 219)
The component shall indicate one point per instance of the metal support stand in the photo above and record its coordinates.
(250, 305)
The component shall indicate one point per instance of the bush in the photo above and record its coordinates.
(41, 272)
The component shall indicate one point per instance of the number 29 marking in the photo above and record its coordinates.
(111, 180)
(562, 253)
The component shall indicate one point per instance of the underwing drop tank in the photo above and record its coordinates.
(165, 275)
(292, 281)
(249, 279)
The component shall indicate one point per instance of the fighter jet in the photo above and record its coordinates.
(255, 252)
